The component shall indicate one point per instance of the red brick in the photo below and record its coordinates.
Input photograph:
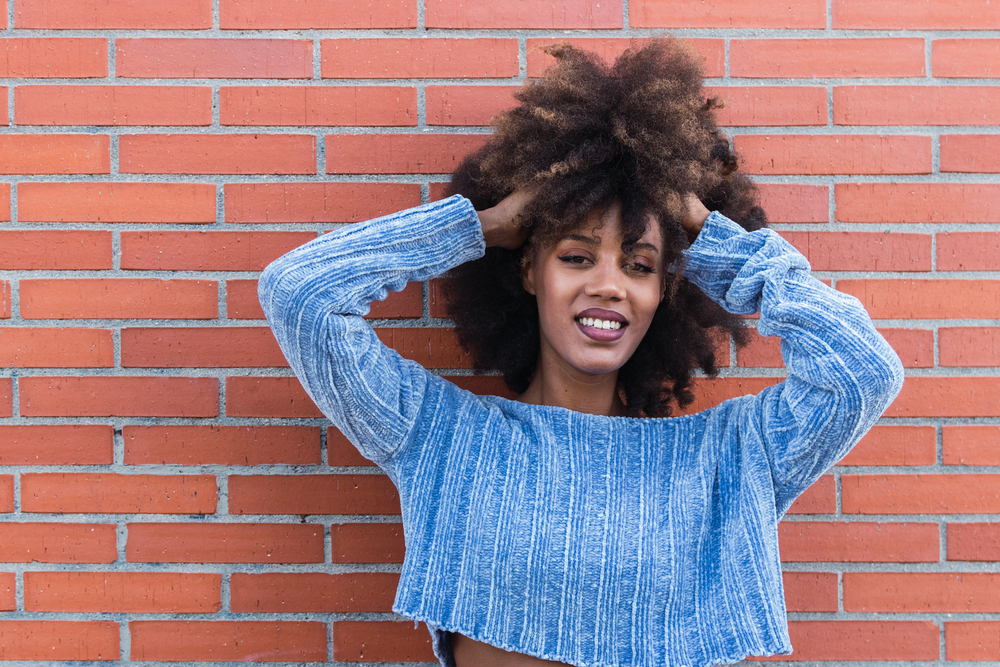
(4, 202)
(199, 347)
(340, 451)
(820, 498)
(119, 397)
(918, 202)
(934, 493)
(98, 14)
(221, 445)
(281, 397)
(6, 493)
(242, 302)
(812, 57)
(947, 397)
(54, 250)
(712, 51)
(972, 640)
(973, 541)
(970, 153)
(203, 58)
(863, 251)
(968, 251)
(56, 347)
(429, 57)
(53, 57)
(316, 14)
(224, 543)
(6, 397)
(966, 58)
(313, 592)
(316, 202)
(367, 542)
(58, 543)
(916, 105)
(206, 251)
(112, 105)
(56, 445)
(795, 203)
(8, 591)
(467, 105)
(430, 347)
(59, 640)
(381, 641)
(834, 154)
(4, 119)
(55, 154)
(116, 202)
(915, 347)
(926, 299)
(921, 592)
(123, 592)
(970, 445)
(217, 154)
(858, 542)
(108, 493)
(926, 15)
(312, 494)
(726, 14)
(314, 105)
(257, 641)
(770, 105)
(708, 393)
(529, 14)
(398, 153)
(864, 640)
(115, 298)
(760, 352)
(491, 385)
(810, 591)
(969, 346)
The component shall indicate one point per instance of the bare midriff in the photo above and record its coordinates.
(471, 653)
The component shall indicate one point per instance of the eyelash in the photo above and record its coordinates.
(641, 268)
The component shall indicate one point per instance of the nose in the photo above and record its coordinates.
(605, 280)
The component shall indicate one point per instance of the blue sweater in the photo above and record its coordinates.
(586, 539)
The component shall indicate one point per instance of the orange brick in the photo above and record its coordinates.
(93, 298)
(8, 591)
(973, 541)
(98, 14)
(915, 347)
(968, 251)
(108, 493)
(918, 202)
(934, 493)
(312, 105)
(112, 105)
(770, 105)
(52, 347)
(55, 250)
(58, 543)
(812, 57)
(6, 397)
(712, 51)
(863, 251)
(969, 445)
(927, 15)
(313, 592)
(865, 640)
(200, 347)
(59, 640)
(381, 641)
(119, 396)
(6, 493)
(312, 494)
(708, 392)
(316, 202)
(947, 397)
(55, 154)
(530, 14)
(966, 58)
(123, 592)
(56, 445)
(820, 498)
(972, 640)
(206, 251)
(4, 119)
(316, 14)
(4, 202)
(760, 351)
(811, 591)
(858, 542)
(220, 445)
(340, 451)
(430, 57)
(834, 154)
(467, 105)
(916, 105)
(926, 299)
(217, 154)
(203, 58)
(795, 203)
(894, 446)
(116, 202)
(270, 641)
(281, 397)
(970, 153)
(398, 153)
(969, 346)
(367, 542)
(224, 543)
(241, 300)
(53, 57)
(921, 592)
(726, 14)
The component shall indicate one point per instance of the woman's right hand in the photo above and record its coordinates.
(502, 224)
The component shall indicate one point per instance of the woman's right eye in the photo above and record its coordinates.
(573, 259)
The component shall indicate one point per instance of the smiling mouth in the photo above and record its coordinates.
(597, 323)
(601, 335)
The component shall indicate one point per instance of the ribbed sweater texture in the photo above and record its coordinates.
(586, 539)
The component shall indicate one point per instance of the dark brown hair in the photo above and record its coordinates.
(585, 135)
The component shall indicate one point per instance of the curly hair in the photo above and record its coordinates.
(586, 135)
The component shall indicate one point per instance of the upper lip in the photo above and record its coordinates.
(601, 314)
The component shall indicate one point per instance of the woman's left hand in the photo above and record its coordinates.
(695, 217)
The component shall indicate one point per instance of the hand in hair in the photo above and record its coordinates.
(695, 217)
(502, 224)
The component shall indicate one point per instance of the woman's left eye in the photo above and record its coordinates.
(640, 267)
(573, 259)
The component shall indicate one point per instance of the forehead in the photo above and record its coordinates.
(597, 228)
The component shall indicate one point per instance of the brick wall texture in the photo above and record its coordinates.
(168, 492)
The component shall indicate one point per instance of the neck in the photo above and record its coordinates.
(556, 385)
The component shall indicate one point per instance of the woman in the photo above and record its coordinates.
(579, 524)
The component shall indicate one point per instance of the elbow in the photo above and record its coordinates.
(884, 378)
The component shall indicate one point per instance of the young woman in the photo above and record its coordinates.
(580, 523)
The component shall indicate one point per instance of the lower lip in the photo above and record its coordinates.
(602, 335)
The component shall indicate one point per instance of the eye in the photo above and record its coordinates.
(640, 267)
(574, 259)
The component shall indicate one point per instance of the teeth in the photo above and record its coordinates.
(599, 324)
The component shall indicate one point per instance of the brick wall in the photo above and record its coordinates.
(168, 491)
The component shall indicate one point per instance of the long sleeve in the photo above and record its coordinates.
(842, 373)
(314, 298)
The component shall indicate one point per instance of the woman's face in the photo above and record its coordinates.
(595, 303)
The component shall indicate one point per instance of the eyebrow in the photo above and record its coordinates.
(589, 240)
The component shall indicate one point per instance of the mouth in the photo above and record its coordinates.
(601, 325)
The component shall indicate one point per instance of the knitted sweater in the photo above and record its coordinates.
(586, 539)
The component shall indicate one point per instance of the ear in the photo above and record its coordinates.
(527, 275)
